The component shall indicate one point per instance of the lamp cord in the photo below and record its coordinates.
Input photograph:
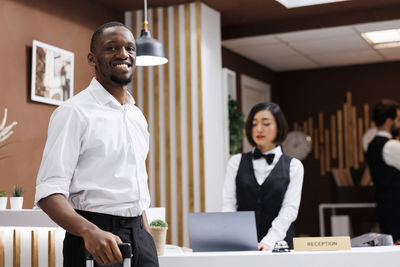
(145, 23)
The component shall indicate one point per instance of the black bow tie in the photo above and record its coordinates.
(258, 154)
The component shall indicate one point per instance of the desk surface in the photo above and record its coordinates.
(366, 257)
(25, 218)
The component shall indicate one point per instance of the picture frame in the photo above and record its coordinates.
(52, 74)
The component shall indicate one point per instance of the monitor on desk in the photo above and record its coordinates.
(223, 231)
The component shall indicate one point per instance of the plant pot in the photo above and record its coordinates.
(16, 203)
(159, 236)
(3, 203)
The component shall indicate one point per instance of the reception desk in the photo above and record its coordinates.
(363, 257)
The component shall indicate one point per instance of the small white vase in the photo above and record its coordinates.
(3, 203)
(16, 203)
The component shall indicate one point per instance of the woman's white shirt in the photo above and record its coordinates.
(291, 202)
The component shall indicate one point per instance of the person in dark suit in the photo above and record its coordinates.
(265, 180)
(383, 158)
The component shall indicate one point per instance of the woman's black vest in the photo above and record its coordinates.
(266, 199)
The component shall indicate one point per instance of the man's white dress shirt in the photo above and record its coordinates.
(291, 202)
(95, 154)
(391, 150)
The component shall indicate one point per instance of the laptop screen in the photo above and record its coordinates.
(223, 231)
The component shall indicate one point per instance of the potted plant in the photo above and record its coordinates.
(3, 199)
(17, 199)
(158, 229)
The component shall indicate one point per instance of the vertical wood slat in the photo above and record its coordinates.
(360, 136)
(1, 249)
(200, 107)
(51, 248)
(34, 249)
(350, 128)
(321, 127)
(167, 151)
(354, 138)
(310, 127)
(327, 151)
(295, 126)
(346, 136)
(156, 119)
(340, 139)
(321, 142)
(16, 248)
(189, 108)
(333, 136)
(178, 125)
(316, 144)
(366, 117)
(134, 76)
(322, 159)
(305, 127)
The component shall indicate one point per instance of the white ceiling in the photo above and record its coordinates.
(320, 48)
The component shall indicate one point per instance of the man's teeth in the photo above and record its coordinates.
(125, 66)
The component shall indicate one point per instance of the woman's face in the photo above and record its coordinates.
(264, 130)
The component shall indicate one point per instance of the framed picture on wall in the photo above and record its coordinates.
(52, 74)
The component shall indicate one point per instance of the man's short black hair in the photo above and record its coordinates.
(385, 109)
(281, 123)
(100, 30)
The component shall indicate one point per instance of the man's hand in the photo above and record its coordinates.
(263, 246)
(103, 246)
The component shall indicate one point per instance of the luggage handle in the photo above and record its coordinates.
(126, 251)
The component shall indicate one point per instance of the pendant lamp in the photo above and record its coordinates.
(149, 51)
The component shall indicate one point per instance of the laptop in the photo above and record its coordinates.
(223, 231)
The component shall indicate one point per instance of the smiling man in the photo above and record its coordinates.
(92, 180)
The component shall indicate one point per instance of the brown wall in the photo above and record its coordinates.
(67, 24)
(305, 93)
(242, 65)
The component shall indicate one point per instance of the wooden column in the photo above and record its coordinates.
(16, 249)
(51, 250)
(1, 249)
(34, 249)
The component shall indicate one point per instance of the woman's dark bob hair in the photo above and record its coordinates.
(281, 123)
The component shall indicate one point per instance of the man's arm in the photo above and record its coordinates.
(145, 222)
(391, 153)
(102, 245)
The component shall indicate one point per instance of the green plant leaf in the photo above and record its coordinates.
(158, 223)
(236, 127)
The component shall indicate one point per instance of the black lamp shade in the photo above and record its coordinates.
(149, 51)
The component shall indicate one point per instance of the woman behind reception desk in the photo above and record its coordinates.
(265, 180)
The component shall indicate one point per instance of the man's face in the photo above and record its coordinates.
(396, 124)
(114, 56)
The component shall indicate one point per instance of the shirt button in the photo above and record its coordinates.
(259, 189)
(259, 201)
(122, 222)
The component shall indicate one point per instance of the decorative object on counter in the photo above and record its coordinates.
(3, 199)
(17, 199)
(158, 229)
(236, 127)
(5, 133)
(52, 74)
(281, 246)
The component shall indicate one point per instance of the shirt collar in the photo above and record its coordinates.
(384, 134)
(104, 97)
(277, 151)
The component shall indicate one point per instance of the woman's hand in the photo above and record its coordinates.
(263, 246)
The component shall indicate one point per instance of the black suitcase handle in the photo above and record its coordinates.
(125, 248)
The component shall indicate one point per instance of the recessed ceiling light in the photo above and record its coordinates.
(301, 3)
(383, 39)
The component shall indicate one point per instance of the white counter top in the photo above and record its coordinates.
(365, 257)
(25, 218)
